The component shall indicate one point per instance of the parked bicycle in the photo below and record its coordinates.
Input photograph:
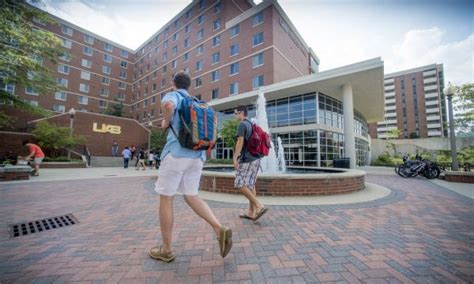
(419, 166)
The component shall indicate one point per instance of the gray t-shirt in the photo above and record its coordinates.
(245, 130)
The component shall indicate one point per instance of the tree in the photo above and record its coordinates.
(463, 105)
(116, 109)
(413, 135)
(393, 133)
(158, 139)
(23, 50)
(228, 132)
(55, 138)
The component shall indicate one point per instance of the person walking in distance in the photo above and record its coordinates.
(126, 154)
(140, 160)
(36, 153)
(115, 149)
(246, 166)
(180, 172)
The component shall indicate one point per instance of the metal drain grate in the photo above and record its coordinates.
(28, 228)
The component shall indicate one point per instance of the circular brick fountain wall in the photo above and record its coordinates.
(328, 182)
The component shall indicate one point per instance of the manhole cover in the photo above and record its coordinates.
(31, 227)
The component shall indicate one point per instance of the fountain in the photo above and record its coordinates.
(276, 180)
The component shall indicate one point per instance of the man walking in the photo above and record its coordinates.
(180, 172)
(115, 149)
(246, 166)
(126, 153)
(36, 153)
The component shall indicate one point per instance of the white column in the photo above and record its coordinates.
(349, 137)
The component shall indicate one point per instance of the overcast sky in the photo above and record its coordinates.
(404, 33)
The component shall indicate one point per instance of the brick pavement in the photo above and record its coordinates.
(421, 232)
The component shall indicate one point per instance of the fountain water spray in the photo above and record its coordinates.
(271, 163)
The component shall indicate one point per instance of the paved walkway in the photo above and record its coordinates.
(420, 232)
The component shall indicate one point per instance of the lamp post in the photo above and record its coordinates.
(149, 125)
(72, 113)
(449, 91)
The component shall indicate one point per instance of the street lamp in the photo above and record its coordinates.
(449, 90)
(72, 113)
(149, 125)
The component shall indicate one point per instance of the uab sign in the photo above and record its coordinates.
(107, 128)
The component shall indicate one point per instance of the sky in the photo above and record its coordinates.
(404, 33)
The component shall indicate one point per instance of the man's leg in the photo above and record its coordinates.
(166, 221)
(202, 210)
(255, 205)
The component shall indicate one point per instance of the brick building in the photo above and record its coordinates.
(414, 104)
(233, 50)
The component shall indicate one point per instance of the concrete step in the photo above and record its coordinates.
(106, 161)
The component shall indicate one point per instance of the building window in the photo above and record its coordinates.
(105, 81)
(123, 74)
(86, 63)
(108, 47)
(120, 96)
(186, 42)
(199, 65)
(200, 19)
(62, 82)
(200, 49)
(84, 88)
(107, 58)
(163, 83)
(187, 14)
(201, 4)
(257, 81)
(198, 82)
(124, 53)
(173, 64)
(234, 88)
(87, 51)
(63, 69)
(176, 24)
(216, 40)
(88, 39)
(257, 19)
(234, 49)
(216, 57)
(153, 100)
(217, 24)
(102, 104)
(235, 30)
(257, 60)
(123, 64)
(122, 85)
(67, 30)
(32, 102)
(165, 56)
(175, 49)
(59, 108)
(82, 100)
(200, 34)
(215, 75)
(60, 96)
(257, 39)
(187, 28)
(153, 88)
(66, 43)
(163, 69)
(218, 8)
(104, 92)
(85, 75)
(215, 94)
(175, 36)
(106, 69)
(234, 69)
(31, 91)
(65, 57)
(186, 57)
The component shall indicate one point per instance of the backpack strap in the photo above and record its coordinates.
(176, 109)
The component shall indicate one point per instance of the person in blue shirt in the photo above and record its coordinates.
(180, 172)
(126, 153)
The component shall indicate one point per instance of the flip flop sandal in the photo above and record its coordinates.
(225, 241)
(158, 254)
(245, 216)
(260, 213)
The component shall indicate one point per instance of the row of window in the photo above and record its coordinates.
(90, 40)
(62, 108)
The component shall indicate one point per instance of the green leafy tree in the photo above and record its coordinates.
(394, 133)
(116, 109)
(55, 138)
(23, 50)
(463, 104)
(228, 132)
(158, 139)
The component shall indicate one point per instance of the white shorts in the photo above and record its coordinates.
(179, 175)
